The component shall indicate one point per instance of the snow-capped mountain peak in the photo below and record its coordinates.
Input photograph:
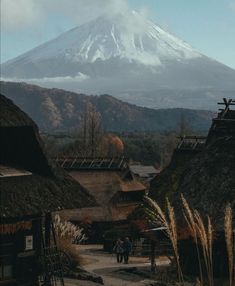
(127, 56)
(130, 37)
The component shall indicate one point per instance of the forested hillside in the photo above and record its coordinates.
(60, 110)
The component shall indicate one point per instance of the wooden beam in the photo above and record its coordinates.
(153, 256)
(192, 137)
(230, 102)
(224, 119)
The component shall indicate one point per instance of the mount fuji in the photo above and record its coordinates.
(130, 57)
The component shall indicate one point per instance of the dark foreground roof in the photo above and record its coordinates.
(49, 188)
(168, 181)
(206, 179)
(209, 181)
(12, 116)
(31, 195)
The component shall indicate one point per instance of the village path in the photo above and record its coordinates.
(93, 259)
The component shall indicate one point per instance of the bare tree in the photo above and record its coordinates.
(92, 132)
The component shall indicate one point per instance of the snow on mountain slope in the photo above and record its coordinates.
(129, 37)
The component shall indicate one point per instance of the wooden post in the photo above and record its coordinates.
(48, 229)
(153, 255)
(47, 240)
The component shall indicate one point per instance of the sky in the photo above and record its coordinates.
(207, 25)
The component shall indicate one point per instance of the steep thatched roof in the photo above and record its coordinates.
(164, 184)
(167, 182)
(207, 178)
(27, 195)
(12, 116)
(208, 183)
(48, 188)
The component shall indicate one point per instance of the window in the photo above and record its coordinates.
(29, 242)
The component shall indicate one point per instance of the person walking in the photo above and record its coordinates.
(127, 248)
(118, 248)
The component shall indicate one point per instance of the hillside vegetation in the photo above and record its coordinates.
(59, 110)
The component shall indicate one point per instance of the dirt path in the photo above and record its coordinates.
(105, 265)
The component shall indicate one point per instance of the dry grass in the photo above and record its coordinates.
(206, 240)
(66, 234)
(189, 217)
(203, 235)
(170, 224)
(66, 246)
(174, 239)
(228, 227)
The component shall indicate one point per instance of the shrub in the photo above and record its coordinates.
(66, 235)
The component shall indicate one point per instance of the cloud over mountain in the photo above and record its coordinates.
(17, 14)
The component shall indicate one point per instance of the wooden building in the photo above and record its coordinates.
(31, 187)
(112, 184)
(205, 175)
(209, 186)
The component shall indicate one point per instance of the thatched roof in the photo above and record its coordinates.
(12, 116)
(106, 186)
(48, 188)
(209, 181)
(28, 195)
(103, 185)
(164, 184)
(207, 178)
(167, 182)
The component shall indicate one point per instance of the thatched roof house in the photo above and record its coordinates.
(206, 178)
(166, 183)
(113, 186)
(29, 183)
(205, 175)
(31, 187)
(209, 183)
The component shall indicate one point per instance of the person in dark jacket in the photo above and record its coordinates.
(127, 248)
(118, 249)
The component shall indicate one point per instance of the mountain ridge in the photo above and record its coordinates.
(60, 110)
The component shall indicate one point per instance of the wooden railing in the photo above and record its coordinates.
(99, 163)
